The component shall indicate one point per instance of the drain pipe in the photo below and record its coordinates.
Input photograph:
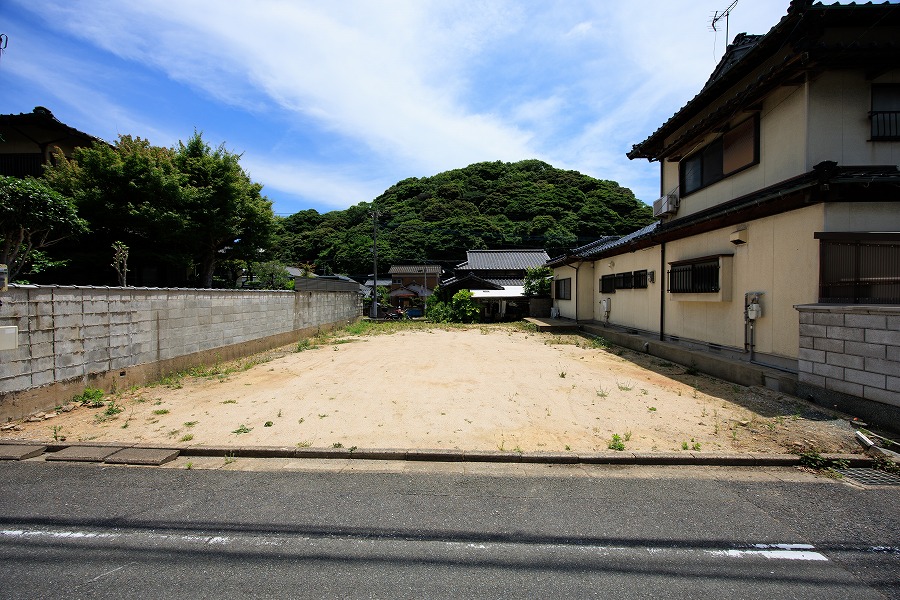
(662, 291)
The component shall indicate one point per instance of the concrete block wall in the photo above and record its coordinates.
(851, 352)
(77, 334)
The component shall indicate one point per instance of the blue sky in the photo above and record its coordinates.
(330, 103)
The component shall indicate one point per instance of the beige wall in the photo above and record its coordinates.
(839, 127)
(780, 259)
(638, 308)
(782, 153)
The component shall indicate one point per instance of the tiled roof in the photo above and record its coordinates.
(43, 127)
(602, 245)
(496, 260)
(415, 269)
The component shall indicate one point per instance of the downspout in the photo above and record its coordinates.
(576, 290)
(662, 291)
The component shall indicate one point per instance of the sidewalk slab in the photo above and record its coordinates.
(84, 453)
(20, 451)
(141, 456)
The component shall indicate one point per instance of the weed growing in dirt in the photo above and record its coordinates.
(91, 397)
(562, 374)
(695, 446)
(161, 411)
(229, 458)
(627, 436)
(337, 445)
(625, 386)
(187, 437)
(189, 465)
(692, 369)
(304, 444)
(602, 393)
(651, 408)
(190, 423)
(268, 424)
(616, 443)
(242, 429)
(56, 429)
(684, 445)
(229, 401)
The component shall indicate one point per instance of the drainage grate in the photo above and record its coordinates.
(870, 476)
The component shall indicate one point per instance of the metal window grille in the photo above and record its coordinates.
(608, 284)
(624, 281)
(695, 278)
(640, 279)
(859, 272)
(885, 124)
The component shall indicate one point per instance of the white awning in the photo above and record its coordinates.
(512, 291)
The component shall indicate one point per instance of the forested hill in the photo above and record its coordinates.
(495, 205)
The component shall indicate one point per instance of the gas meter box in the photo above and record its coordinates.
(754, 311)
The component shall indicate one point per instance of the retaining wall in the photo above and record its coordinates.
(850, 355)
(70, 337)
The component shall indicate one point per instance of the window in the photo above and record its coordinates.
(734, 151)
(640, 279)
(608, 284)
(699, 276)
(564, 289)
(859, 268)
(624, 281)
(885, 113)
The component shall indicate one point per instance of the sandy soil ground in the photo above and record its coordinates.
(475, 388)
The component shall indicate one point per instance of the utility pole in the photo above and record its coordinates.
(373, 312)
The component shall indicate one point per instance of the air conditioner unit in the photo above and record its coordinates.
(667, 205)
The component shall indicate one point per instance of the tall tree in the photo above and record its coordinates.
(224, 211)
(32, 216)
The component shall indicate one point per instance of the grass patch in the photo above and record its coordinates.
(161, 411)
(242, 429)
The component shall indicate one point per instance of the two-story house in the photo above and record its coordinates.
(780, 193)
(412, 285)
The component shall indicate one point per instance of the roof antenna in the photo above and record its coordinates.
(718, 16)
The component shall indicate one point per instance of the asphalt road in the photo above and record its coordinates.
(85, 531)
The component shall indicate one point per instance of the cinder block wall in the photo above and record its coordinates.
(70, 337)
(849, 353)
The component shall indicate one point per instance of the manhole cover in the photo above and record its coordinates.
(870, 476)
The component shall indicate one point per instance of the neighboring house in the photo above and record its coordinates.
(413, 283)
(779, 193)
(496, 279)
(28, 141)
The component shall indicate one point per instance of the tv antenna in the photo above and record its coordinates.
(718, 16)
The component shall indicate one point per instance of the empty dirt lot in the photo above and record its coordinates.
(414, 385)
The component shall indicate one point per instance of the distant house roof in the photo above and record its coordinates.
(503, 260)
(415, 269)
(43, 128)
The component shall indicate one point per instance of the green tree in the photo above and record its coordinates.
(33, 216)
(464, 308)
(272, 275)
(538, 282)
(223, 210)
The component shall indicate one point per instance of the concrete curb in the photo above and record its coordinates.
(690, 458)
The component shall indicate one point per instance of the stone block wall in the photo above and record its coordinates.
(851, 351)
(77, 334)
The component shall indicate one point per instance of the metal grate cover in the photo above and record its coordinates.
(870, 476)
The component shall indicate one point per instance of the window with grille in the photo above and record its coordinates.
(698, 276)
(859, 268)
(624, 281)
(564, 289)
(885, 114)
(640, 279)
(608, 284)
